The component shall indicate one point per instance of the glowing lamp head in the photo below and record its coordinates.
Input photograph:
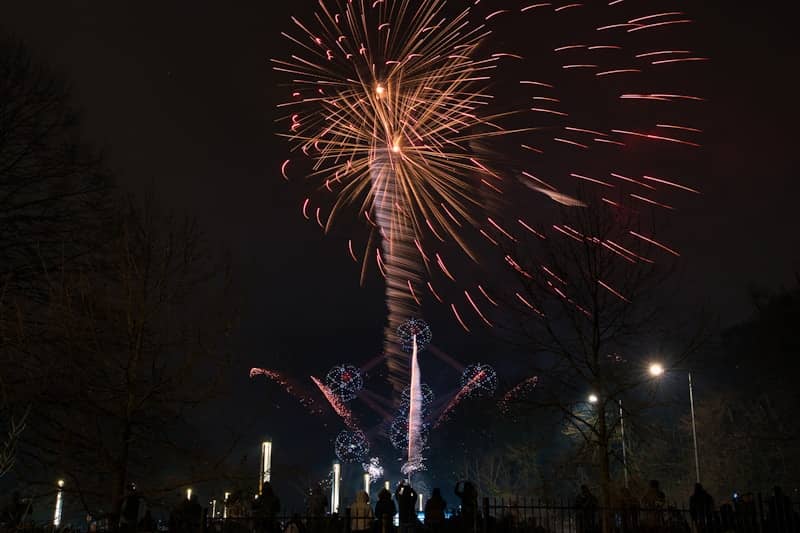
(656, 369)
(60, 483)
(593, 398)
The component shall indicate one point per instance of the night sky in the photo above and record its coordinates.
(181, 95)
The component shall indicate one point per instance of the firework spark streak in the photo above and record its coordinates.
(337, 405)
(519, 389)
(465, 391)
(389, 104)
(387, 97)
(287, 386)
(414, 416)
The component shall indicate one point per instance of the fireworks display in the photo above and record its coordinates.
(305, 400)
(415, 440)
(338, 406)
(414, 328)
(351, 446)
(373, 468)
(426, 393)
(390, 111)
(389, 103)
(344, 381)
(519, 390)
(480, 378)
(387, 97)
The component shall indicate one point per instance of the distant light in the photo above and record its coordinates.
(59, 504)
(396, 147)
(593, 398)
(337, 478)
(265, 474)
(379, 90)
(387, 485)
(421, 508)
(366, 482)
(188, 494)
(656, 369)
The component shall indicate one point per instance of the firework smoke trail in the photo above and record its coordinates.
(287, 386)
(519, 388)
(414, 416)
(339, 408)
(463, 393)
(399, 263)
(388, 97)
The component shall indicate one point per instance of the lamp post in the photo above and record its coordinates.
(366, 482)
(59, 503)
(265, 471)
(656, 369)
(337, 477)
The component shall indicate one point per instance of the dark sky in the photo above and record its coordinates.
(181, 95)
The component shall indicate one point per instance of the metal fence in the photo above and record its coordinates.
(529, 515)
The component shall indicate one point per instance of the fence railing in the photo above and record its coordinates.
(532, 516)
(529, 515)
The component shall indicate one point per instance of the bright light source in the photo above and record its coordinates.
(266, 465)
(396, 147)
(188, 494)
(59, 504)
(421, 507)
(366, 482)
(337, 478)
(593, 398)
(386, 485)
(656, 369)
(379, 90)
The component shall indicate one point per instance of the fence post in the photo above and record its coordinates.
(485, 514)
(347, 523)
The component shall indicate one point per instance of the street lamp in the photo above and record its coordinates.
(656, 370)
(593, 398)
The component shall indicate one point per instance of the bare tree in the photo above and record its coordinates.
(587, 307)
(53, 187)
(134, 340)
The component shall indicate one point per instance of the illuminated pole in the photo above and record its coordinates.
(337, 476)
(266, 465)
(622, 436)
(225, 505)
(420, 502)
(213, 509)
(387, 485)
(656, 369)
(694, 430)
(188, 494)
(59, 504)
(366, 483)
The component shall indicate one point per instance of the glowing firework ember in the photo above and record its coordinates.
(388, 99)
(344, 381)
(426, 394)
(414, 328)
(388, 96)
(480, 378)
(338, 406)
(290, 389)
(414, 416)
(351, 446)
(373, 468)
(475, 377)
(519, 389)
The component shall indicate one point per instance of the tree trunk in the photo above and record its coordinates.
(120, 477)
